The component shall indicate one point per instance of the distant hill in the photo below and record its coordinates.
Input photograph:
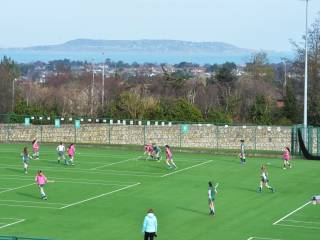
(171, 51)
(145, 46)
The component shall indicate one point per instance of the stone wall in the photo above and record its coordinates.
(196, 136)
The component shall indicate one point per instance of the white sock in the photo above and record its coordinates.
(42, 192)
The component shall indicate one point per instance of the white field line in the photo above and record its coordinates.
(187, 168)
(72, 182)
(114, 163)
(289, 214)
(105, 172)
(182, 159)
(82, 162)
(72, 168)
(105, 155)
(12, 189)
(27, 206)
(18, 177)
(10, 224)
(252, 238)
(308, 222)
(101, 195)
(54, 152)
(298, 226)
(90, 183)
(42, 202)
(77, 161)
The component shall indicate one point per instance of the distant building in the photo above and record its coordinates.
(280, 103)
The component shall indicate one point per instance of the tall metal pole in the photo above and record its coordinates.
(284, 85)
(13, 82)
(92, 89)
(285, 74)
(102, 95)
(305, 110)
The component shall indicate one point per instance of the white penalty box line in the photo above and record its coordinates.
(115, 163)
(105, 172)
(187, 168)
(99, 196)
(58, 206)
(68, 180)
(262, 238)
(16, 221)
(49, 205)
(12, 189)
(294, 223)
(289, 214)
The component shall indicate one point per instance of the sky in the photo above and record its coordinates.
(255, 24)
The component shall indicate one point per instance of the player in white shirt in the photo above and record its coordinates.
(212, 192)
(61, 152)
(264, 179)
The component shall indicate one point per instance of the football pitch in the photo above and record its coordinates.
(108, 192)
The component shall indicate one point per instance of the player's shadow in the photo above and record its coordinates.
(192, 210)
(248, 189)
(51, 162)
(28, 195)
(273, 166)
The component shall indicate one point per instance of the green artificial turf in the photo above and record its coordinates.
(107, 193)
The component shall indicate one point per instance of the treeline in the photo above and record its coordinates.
(261, 93)
(224, 97)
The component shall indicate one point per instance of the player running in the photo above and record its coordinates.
(25, 159)
(264, 179)
(71, 153)
(61, 153)
(286, 158)
(41, 181)
(35, 149)
(212, 191)
(242, 154)
(169, 157)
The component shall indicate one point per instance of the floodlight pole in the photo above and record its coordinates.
(284, 86)
(305, 110)
(102, 95)
(92, 88)
(13, 93)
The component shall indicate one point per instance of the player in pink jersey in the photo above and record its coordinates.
(169, 157)
(35, 149)
(286, 158)
(71, 153)
(148, 150)
(41, 181)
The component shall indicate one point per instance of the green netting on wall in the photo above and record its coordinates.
(312, 140)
